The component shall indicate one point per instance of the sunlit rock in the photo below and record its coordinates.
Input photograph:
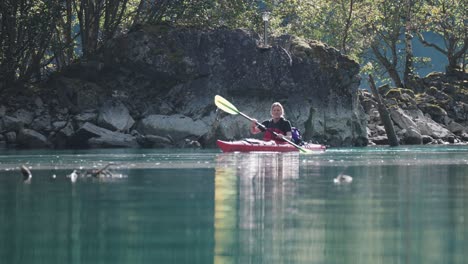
(115, 116)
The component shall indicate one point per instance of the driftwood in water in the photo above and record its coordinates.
(386, 120)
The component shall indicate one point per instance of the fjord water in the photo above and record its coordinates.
(404, 205)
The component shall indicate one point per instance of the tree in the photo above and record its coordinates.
(27, 28)
(339, 23)
(40, 34)
(99, 21)
(448, 19)
(200, 13)
(386, 30)
(408, 71)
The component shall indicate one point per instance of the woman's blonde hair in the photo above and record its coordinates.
(279, 105)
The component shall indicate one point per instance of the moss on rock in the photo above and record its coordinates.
(397, 93)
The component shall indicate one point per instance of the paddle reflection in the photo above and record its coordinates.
(253, 194)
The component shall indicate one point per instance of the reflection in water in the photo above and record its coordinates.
(276, 208)
(250, 190)
(403, 206)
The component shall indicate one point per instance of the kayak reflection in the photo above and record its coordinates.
(252, 195)
(260, 165)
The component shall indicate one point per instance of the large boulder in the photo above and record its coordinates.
(28, 138)
(429, 127)
(12, 123)
(412, 136)
(23, 115)
(178, 71)
(165, 78)
(177, 127)
(62, 135)
(90, 135)
(115, 116)
(402, 119)
(42, 123)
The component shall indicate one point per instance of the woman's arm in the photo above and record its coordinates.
(253, 127)
(287, 130)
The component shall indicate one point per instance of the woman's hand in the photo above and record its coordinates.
(253, 127)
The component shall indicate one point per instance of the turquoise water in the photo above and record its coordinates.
(404, 205)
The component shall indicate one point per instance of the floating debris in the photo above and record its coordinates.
(26, 174)
(342, 178)
(104, 172)
(73, 176)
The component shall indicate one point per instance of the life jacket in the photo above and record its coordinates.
(270, 136)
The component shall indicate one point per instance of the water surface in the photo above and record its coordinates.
(404, 205)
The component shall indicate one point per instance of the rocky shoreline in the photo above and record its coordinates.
(437, 114)
(154, 88)
(431, 117)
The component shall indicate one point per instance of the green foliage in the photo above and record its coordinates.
(449, 19)
(198, 13)
(26, 30)
(45, 35)
(337, 23)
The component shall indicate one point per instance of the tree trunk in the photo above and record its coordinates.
(389, 67)
(114, 12)
(386, 120)
(138, 16)
(9, 29)
(68, 33)
(81, 20)
(408, 73)
(347, 27)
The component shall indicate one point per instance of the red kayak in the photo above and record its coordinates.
(249, 145)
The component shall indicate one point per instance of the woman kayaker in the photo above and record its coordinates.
(277, 123)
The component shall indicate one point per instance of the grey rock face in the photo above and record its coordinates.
(176, 126)
(42, 123)
(2, 110)
(90, 135)
(10, 137)
(28, 138)
(114, 115)
(61, 139)
(78, 95)
(188, 67)
(161, 82)
(412, 136)
(436, 115)
(25, 116)
(12, 123)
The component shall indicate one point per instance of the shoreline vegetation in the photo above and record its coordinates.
(136, 75)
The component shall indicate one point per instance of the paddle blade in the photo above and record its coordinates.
(305, 151)
(225, 105)
(301, 149)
